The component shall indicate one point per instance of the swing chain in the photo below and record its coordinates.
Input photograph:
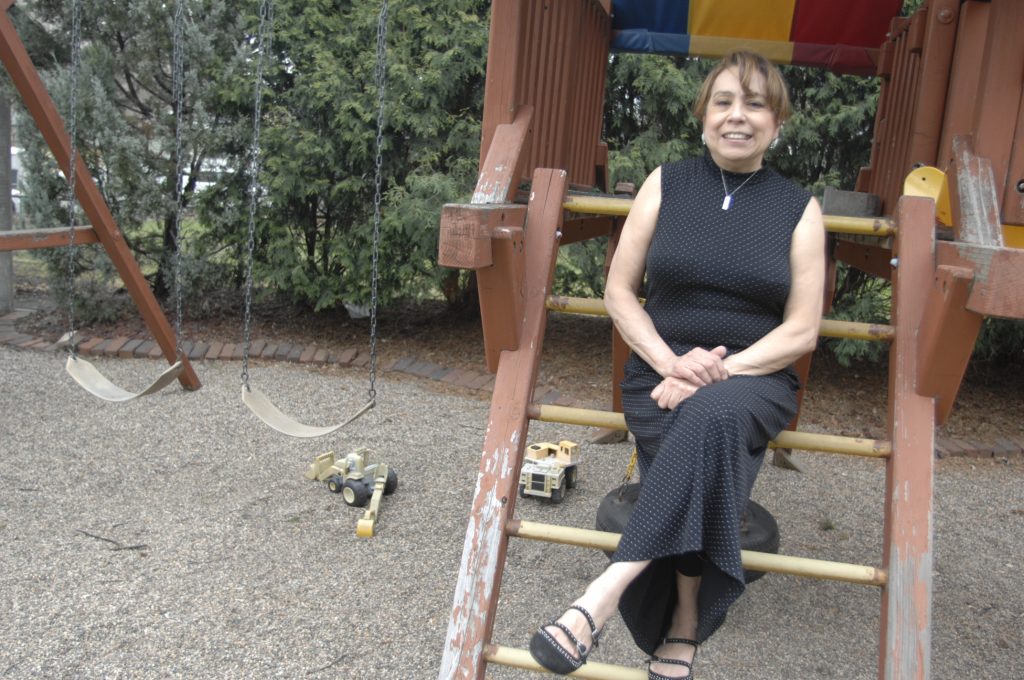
(76, 65)
(178, 78)
(263, 42)
(380, 71)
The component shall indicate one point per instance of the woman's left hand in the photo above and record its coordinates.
(673, 391)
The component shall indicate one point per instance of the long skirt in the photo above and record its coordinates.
(698, 464)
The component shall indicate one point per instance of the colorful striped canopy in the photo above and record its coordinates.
(841, 36)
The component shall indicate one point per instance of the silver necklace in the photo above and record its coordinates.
(727, 201)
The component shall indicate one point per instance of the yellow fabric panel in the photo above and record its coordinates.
(755, 19)
(773, 51)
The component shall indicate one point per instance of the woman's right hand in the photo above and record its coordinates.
(699, 366)
(671, 392)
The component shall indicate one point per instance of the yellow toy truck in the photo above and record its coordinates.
(549, 469)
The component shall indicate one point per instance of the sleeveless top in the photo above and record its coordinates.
(720, 277)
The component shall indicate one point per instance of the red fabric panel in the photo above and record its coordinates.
(828, 22)
(837, 58)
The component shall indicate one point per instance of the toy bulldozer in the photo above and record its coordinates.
(357, 481)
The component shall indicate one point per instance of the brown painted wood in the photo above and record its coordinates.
(964, 83)
(32, 239)
(501, 169)
(938, 29)
(1013, 196)
(905, 641)
(467, 231)
(868, 258)
(44, 112)
(1002, 84)
(503, 49)
(552, 56)
(500, 290)
(585, 228)
(483, 556)
(998, 288)
(947, 336)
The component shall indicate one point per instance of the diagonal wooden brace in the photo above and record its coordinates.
(947, 336)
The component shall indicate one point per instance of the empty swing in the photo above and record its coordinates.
(82, 371)
(256, 401)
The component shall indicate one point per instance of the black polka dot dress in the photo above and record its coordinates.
(714, 277)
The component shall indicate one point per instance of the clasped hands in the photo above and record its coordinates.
(689, 372)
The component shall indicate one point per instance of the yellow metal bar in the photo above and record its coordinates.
(838, 224)
(756, 561)
(593, 670)
(830, 328)
(807, 441)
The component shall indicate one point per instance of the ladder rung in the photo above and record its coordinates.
(830, 328)
(837, 224)
(806, 441)
(593, 670)
(755, 561)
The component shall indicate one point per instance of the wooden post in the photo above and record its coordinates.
(44, 112)
(905, 641)
(483, 553)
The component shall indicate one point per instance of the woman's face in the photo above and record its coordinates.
(738, 127)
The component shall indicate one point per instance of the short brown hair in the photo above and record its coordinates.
(747, 64)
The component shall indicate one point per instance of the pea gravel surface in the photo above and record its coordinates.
(176, 537)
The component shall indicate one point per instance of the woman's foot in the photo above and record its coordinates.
(559, 648)
(582, 622)
(672, 659)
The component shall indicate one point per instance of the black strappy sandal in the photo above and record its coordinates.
(652, 675)
(550, 654)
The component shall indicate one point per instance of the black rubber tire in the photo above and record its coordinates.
(558, 493)
(355, 493)
(522, 491)
(335, 483)
(759, 531)
(391, 483)
(571, 476)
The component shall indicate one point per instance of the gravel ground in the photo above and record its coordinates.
(177, 537)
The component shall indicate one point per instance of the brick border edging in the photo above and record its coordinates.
(142, 346)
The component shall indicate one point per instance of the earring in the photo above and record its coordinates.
(703, 140)
(774, 143)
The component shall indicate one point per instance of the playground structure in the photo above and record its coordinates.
(952, 97)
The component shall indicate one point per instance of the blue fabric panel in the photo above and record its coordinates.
(641, 40)
(665, 16)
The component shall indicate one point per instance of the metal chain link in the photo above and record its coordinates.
(264, 40)
(76, 64)
(178, 79)
(380, 71)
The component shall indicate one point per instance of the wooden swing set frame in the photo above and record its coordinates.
(102, 227)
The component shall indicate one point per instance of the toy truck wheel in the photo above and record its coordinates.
(570, 477)
(335, 484)
(391, 484)
(557, 494)
(355, 493)
(522, 491)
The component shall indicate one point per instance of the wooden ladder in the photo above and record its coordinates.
(904, 572)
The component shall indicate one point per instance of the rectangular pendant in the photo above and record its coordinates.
(726, 202)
